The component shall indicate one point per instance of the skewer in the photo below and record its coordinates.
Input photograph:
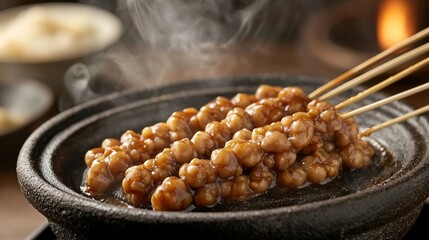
(382, 85)
(377, 70)
(370, 62)
(385, 101)
(377, 127)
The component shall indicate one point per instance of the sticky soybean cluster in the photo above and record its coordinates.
(229, 150)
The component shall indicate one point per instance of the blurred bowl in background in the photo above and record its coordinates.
(41, 41)
(24, 105)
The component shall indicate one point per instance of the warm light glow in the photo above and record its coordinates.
(395, 22)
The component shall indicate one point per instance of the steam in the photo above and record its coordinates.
(184, 38)
(189, 25)
(173, 40)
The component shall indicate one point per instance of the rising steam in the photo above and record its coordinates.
(172, 40)
(194, 36)
(185, 25)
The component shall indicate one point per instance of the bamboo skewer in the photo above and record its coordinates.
(385, 101)
(377, 70)
(383, 84)
(395, 62)
(370, 62)
(402, 118)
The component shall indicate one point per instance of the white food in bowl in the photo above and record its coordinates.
(47, 32)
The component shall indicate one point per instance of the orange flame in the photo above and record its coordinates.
(395, 22)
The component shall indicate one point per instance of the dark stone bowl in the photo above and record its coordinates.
(380, 202)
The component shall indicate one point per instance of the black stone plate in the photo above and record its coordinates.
(381, 202)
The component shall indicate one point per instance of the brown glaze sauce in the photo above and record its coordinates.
(383, 167)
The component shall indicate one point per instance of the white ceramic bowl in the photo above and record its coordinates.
(41, 41)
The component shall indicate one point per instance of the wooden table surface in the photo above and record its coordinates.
(18, 219)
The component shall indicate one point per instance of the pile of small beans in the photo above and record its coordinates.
(236, 149)
(221, 117)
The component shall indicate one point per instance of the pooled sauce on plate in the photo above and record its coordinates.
(349, 181)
